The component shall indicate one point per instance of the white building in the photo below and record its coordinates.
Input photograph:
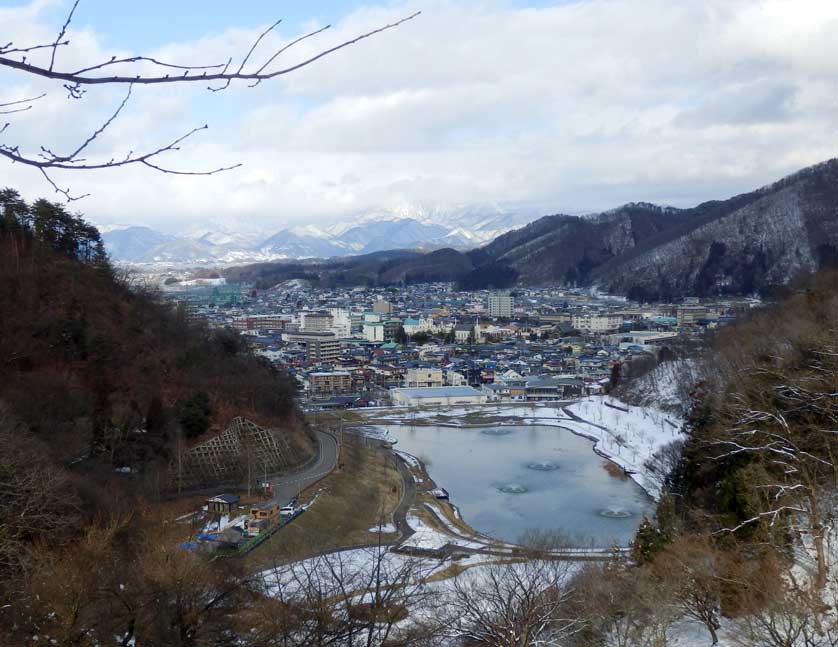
(423, 378)
(374, 331)
(415, 326)
(315, 321)
(341, 322)
(437, 397)
(501, 304)
(464, 332)
(596, 324)
(452, 378)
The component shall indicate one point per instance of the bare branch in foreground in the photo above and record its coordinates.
(75, 82)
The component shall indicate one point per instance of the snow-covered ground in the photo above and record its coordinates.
(627, 435)
(424, 536)
(384, 528)
(668, 386)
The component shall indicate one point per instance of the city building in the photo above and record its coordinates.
(341, 322)
(596, 324)
(501, 304)
(424, 378)
(319, 346)
(330, 382)
(261, 322)
(438, 396)
(374, 331)
(315, 321)
(382, 307)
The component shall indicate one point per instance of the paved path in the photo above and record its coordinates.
(286, 487)
(408, 498)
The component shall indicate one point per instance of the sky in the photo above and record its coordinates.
(537, 106)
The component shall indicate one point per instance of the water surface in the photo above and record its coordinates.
(506, 480)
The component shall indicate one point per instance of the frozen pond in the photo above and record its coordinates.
(506, 480)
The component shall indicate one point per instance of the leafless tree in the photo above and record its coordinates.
(515, 604)
(787, 420)
(625, 606)
(35, 498)
(42, 60)
(365, 597)
(694, 567)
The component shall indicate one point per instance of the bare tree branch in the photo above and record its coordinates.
(76, 81)
(61, 34)
(3, 106)
(81, 77)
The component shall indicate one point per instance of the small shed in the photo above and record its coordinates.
(268, 510)
(222, 504)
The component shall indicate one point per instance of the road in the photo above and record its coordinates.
(288, 486)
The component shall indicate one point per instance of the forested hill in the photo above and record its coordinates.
(750, 242)
(102, 380)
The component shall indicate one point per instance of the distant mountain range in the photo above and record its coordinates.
(744, 244)
(408, 227)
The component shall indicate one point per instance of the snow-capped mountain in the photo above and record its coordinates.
(405, 226)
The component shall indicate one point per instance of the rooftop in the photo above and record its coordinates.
(439, 391)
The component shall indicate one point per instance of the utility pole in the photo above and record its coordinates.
(179, 464)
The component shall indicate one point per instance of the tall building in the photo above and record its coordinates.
(501, 304)
(315, 321)
(382, 307)
(341, 322)
(320, 346)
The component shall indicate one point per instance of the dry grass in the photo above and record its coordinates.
(361, 492)
(615, 470)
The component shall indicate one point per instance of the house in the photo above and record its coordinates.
(267, 510)
(553, 388)
(222, 504)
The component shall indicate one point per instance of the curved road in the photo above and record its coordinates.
(286, 487)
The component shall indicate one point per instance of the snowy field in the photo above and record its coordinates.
(629, 436)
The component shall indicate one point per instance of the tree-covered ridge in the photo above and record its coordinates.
(50, 224)
(104, 384)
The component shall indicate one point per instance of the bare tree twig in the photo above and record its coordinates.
(76, 81)
(82, 78)
(3, 111)
(61, 34)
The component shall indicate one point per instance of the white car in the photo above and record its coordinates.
(287, 510)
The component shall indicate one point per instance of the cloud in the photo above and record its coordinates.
(574, 107)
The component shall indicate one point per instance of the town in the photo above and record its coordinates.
(432, 345)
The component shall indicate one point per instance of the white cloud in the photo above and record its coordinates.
(575, 107)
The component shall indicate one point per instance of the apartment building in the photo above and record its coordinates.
(424, 378)
(320, 346)
(596, 324)
(315, 321)
(501, 304)
(330, 382)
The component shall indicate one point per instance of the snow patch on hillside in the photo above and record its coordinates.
(668, 386)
